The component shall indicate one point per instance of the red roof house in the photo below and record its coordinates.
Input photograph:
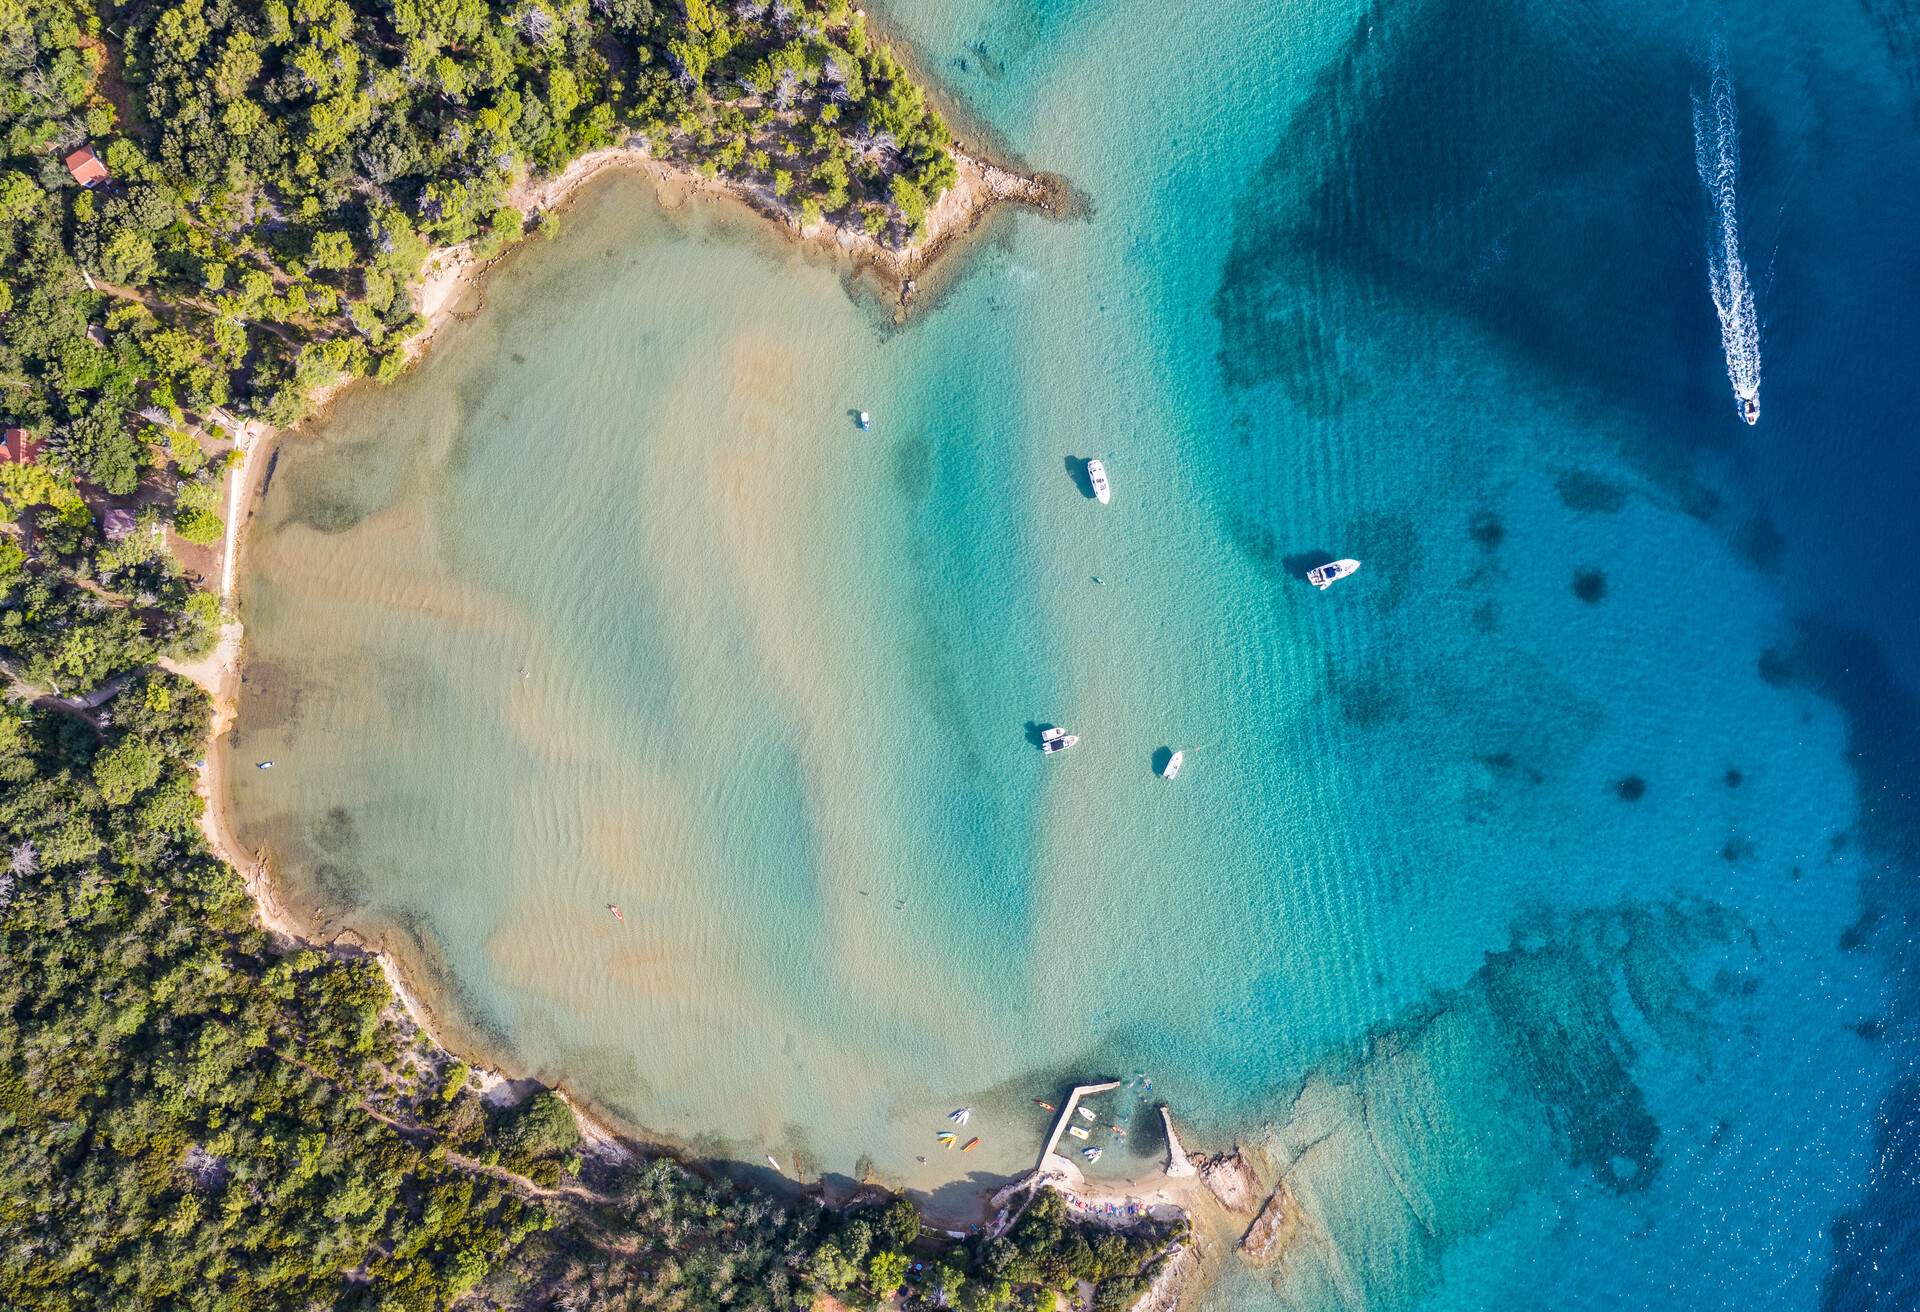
(19, 447)
(86, 167)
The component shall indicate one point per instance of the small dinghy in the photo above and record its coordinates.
(1173, 765)
(616, 913)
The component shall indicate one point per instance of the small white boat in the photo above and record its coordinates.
(1173, 765)
(1076, 1132)
(264, 765)
(1750, 409)
(1325, 576)
(962, 1116)
(1091, 1154)
(1088, 1113)
(1097, 475)
(1052, 745)
(775, 1165)
(865, 420)
(1049, 734)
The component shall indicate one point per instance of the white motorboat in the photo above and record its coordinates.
(1325, 576)
(1051, 745)
(1750, 409)
(865, 420)
(1097, 475)
(1173, 765)
(1048, 734)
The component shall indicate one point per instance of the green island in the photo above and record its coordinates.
(211, 214)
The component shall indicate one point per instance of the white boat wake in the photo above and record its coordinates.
(1716, 153)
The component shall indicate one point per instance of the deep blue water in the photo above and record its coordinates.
(1463, 326)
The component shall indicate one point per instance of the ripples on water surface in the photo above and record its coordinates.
(1533, 897)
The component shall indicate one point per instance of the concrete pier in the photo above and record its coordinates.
(1051, 1162)
(1177, 1164)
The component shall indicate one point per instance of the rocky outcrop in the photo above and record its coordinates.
(1268, 1234)
(1231, 1180)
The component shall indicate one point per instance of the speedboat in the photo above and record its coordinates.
(1097, 475)
(1173, 765)
(616, 913)
(1047, 735)
(1091, 1154)
(1750, 409)
(1325, 576)
(865, 420)
(1058, 744)
(962, 1116)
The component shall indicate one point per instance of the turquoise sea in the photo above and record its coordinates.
(1541, 899)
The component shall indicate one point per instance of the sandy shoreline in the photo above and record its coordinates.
(982, 187)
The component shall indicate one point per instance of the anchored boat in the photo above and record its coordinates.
(1173, 765)
(1097, 475)
(1056, 739)
(1325, 576)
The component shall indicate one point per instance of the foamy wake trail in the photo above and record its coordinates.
(1716, 152)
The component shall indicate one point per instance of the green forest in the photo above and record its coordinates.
(209, 211)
